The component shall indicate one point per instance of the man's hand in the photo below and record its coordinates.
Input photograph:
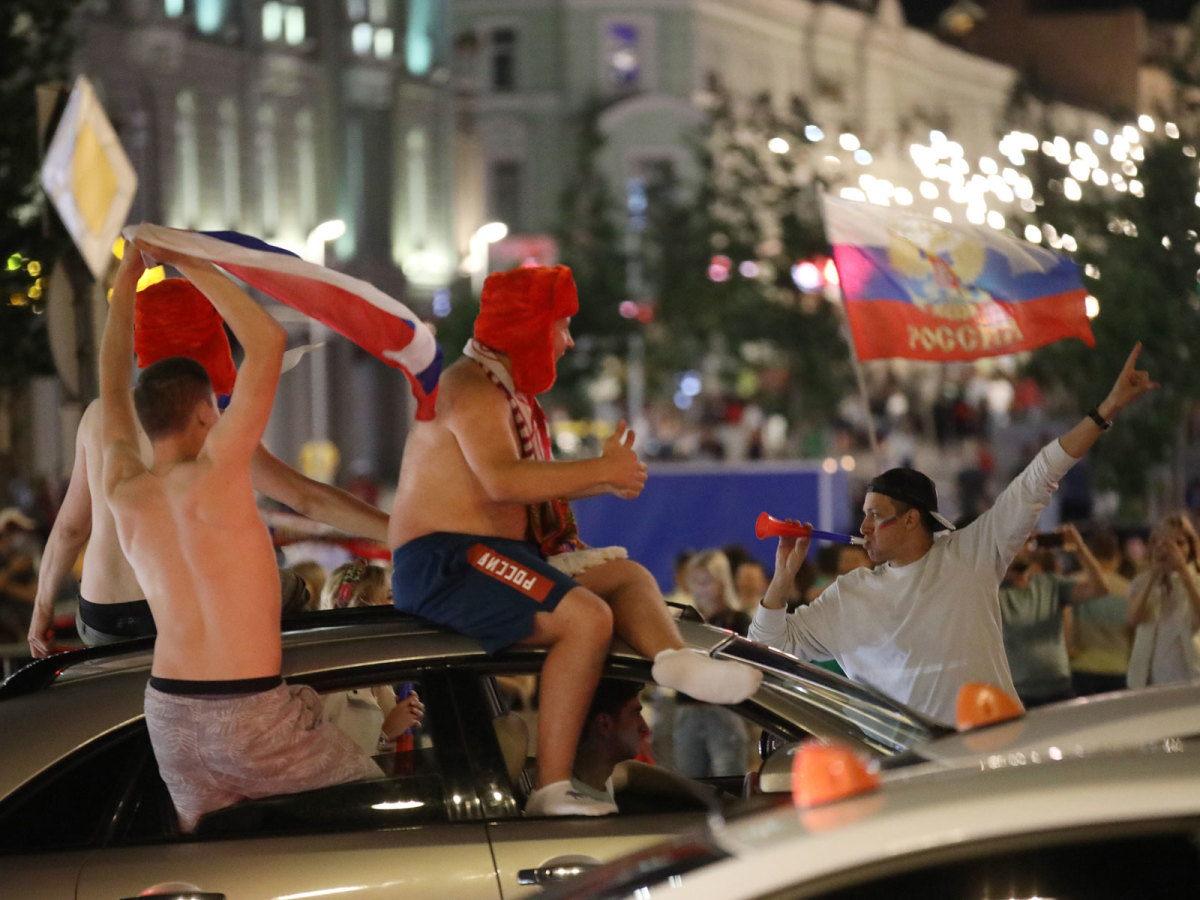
(789, 556)
(627, 472)
(164, 255)
(132, 265)
(1072, 539)
(41, 633)
(1130, 384)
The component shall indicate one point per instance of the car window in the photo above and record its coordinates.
(109, 792)
(412, 788)
(72, 806)
(715, 745)
(1148, 866)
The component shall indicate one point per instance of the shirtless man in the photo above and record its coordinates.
(223, 724)
(112, 605)
(481, 506)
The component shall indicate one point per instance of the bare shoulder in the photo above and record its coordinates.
(464, 388)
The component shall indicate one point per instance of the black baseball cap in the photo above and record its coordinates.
(914, 488)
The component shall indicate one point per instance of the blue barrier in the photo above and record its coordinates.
(701, 505)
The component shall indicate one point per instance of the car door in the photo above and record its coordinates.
(417, 832)
(533, 852)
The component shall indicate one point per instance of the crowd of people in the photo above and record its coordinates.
(483, 541)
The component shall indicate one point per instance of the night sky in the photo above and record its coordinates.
(925, 12)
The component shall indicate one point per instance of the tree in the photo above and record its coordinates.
(35, 49)
(1135, 230)
(720, 256)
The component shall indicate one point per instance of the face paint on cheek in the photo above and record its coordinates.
(885, 523)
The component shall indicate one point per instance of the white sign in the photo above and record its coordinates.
(88, 177)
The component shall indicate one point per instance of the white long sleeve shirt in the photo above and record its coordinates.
(919, 632)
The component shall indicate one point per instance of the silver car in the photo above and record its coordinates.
(83, 813)
(1120, 825)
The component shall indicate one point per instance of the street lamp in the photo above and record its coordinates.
(314, 244)
(477, 251)
(314, 251)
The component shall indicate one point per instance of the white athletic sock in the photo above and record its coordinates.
(698, 675)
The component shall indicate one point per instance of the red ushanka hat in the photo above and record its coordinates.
(173, 318)
(517, 312)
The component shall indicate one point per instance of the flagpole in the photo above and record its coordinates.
(872, 438)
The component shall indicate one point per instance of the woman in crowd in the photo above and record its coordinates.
(1164, 607)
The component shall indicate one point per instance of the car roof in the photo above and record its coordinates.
(90, 692)
(917, 819)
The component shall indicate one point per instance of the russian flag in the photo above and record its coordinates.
(919, 288)
(381, 325)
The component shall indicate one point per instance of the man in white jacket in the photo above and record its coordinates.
(925, 620)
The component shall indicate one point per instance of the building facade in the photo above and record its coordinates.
(271, 117)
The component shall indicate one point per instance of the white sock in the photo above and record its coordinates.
(698, 675)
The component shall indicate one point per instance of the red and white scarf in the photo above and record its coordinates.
(551, 523)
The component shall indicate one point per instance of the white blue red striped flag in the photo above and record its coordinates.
(919, 288)
(381, 325)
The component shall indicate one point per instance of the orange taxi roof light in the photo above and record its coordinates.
(982, 704)
(824, 772)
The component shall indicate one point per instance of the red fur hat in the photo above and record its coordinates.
(517, 312)
(173, 318)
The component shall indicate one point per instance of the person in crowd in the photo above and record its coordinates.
(711, 740)
(925, 620)
(313, 576)
(18, 574)
(606, 769)
(679, 593)
(372, 717)
(356, 583)
(484, 541)
(750, 580)
(223, 725)
(1099, 642)
(710, 582)
(112, 605)
(749, 576)
(1035, 613)
(1164, 607)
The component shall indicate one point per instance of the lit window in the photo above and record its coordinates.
(384, 43)
(360, 38)
(174, 8)
(211, 15)
(272, 22)
(284, 23)
(293, 25)
(371, 33)
(624, 67)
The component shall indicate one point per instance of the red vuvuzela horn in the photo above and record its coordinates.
(769, 526)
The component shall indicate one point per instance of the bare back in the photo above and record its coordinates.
(107, 576)
(439, 488)
(204, 557)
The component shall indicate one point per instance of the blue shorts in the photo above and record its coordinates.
(487, 588)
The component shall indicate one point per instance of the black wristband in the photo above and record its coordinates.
(1101, 422)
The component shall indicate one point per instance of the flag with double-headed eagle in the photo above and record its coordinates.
(355, 309)
(919, 288)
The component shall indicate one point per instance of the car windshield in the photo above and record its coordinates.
(874, 719)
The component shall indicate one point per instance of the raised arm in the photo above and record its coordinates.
(240, 429)
(314, 499)
(1095, 582)
(1130, 384)
(118, 422)
(72, 528)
